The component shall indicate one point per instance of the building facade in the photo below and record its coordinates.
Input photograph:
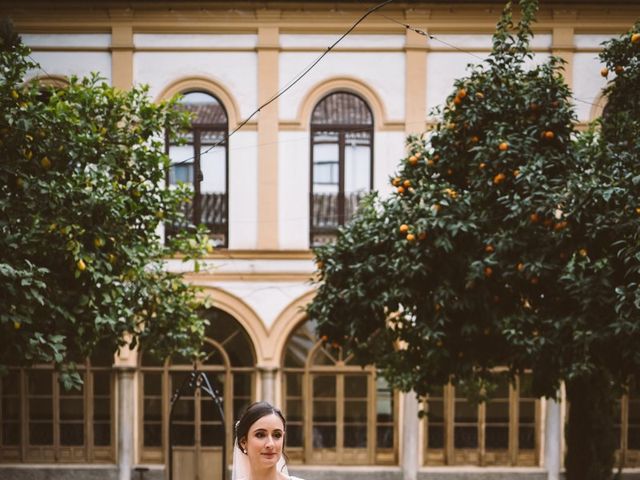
(279, 185)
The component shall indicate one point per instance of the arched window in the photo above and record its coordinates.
(41, 421)
(337, 412)
(341, 162)
(205, 167)
(503, 431)
(229, 363)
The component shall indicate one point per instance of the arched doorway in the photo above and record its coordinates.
(337, 412)
(230, 364)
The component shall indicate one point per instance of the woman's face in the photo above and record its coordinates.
(264, 441)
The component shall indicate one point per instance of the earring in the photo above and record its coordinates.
(244, 450)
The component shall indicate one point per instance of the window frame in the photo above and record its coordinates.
(197, 130)
(341, 454)
(341, 129)
(449, 455)
(56, 452)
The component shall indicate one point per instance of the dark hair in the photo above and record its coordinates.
(251, 415)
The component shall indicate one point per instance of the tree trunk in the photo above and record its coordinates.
(590, 435)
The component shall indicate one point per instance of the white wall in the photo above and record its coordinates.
(243, 190)
(381, 71)
(236, 72)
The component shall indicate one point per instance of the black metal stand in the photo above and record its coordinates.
(198, 380)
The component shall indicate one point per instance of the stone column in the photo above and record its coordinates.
(552, 440)
(410, 436)
(268, 381)
(126, 401)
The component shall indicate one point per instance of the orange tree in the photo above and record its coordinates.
(81, 195)
(483, 257)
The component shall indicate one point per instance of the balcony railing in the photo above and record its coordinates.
(327, 214)
(211, 211)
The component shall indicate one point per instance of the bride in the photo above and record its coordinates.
(258, 447)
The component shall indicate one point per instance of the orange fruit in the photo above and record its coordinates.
(489, 248)
(475, 139)
(80, 265)
(503, 147)
(560, 226)
(488, 271)
(16, 325)
(422, 236)
(14, 94)
(499, 178)
(549, 135)
(583, 252)
(400, 190)
(479, 95)
(457, 101)
(516, 173)
(462, 93)
(404, 228)
(396, 181)
(482, 166)
(604, 71)
(619, 69)
(406, 183)
(534, 217)
(46, 163)
(520, 267)
(430, 163)
(413, 160)
(635, 38)
(411, 237)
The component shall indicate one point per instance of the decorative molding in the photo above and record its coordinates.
(210, 85)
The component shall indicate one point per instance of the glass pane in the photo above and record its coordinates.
(102, 409)
(324, 436)
(211, 435)
(294, 384)
(466, 412)
(633, 438)
(355, 411)
(101, 434)
(41, 434)
(465, 437)
(10, 408)
(357, 168)
(152, 435)
(41, 409)
(242, 384)
(355, 436)
(526, 438)
(527, 412)
(184, 410)
(10, 433)
(294, 410)
(182, 157)
(436, 411)
(152, 383)
(299, 345)
(102, 383)
(324, 411)
(71, 409)
(152, 409)
(497, 437)
(40, 382)
(436, 437)
(10, 383)
(384, 437)
(71, 433)
(355, 386)
(324, 386)
(384, 401)
(497, 412)
(209, 410)
(294, 435)
(183, 435)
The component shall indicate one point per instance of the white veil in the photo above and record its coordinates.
(241, 469)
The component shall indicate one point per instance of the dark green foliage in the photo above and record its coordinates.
(82, 173)
(514, 243)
